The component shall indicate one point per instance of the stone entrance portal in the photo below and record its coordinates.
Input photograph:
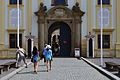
(61, 40)
(69, 21)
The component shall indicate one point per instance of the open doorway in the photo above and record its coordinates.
(59, 36)
(90, 47)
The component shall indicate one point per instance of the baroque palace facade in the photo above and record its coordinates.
(64, 24)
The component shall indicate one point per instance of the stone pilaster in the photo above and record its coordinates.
(77, 34)
(118, 30)
(29, 16)
(90, 15)
(2, 23)
(41, 33)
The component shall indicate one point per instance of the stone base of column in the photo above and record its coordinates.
(117, 50)
(1, 46)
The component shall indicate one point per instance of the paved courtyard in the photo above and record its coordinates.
(62, 69)
(98, 62)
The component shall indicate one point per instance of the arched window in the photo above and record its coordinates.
(106, 2)
(13, 2)
(106, 17)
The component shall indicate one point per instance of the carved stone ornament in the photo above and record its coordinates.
(59, 12)
(76, 9)
(41, 10)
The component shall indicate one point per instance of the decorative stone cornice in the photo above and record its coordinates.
(15, 30)
(104, 29)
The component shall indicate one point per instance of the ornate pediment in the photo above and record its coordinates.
(59, 11)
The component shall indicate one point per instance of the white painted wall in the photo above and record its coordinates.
(48, 3)
(83, 7)
(94, 13)
(35, 8)
(25, 16)
(71, 3)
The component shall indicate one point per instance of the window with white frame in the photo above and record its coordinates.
(106, 17)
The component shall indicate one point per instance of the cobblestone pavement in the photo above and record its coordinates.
(97, 62)
(62, 69)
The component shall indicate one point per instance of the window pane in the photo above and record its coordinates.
(13, 40)
(107, 2)
(59, 2)
(106, 41)
(106, 17)
(15, 1)
(14, 17)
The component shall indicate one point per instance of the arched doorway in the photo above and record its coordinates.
(61, 40)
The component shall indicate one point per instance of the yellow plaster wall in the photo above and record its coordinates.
(78, 1)
(84, 47)
(89, 15)
(39, 1)
(29, 16)
(0, 18)
(2, 25)
(118, 30)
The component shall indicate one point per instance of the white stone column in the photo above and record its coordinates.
(26, 41)
(93, 41)
(32, 44)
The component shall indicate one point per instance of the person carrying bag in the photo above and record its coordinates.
(34, 59)
(20, 55)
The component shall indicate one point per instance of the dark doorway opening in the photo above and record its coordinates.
(59, 36)
(90, 48)
(29, 48)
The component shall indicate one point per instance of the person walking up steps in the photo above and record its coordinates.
(48, 56)
(35, 56)
(20, 55)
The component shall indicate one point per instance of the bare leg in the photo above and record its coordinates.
(35, 66)
(50, 64)
(24, 60)
(47, 65)
(44, 59)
